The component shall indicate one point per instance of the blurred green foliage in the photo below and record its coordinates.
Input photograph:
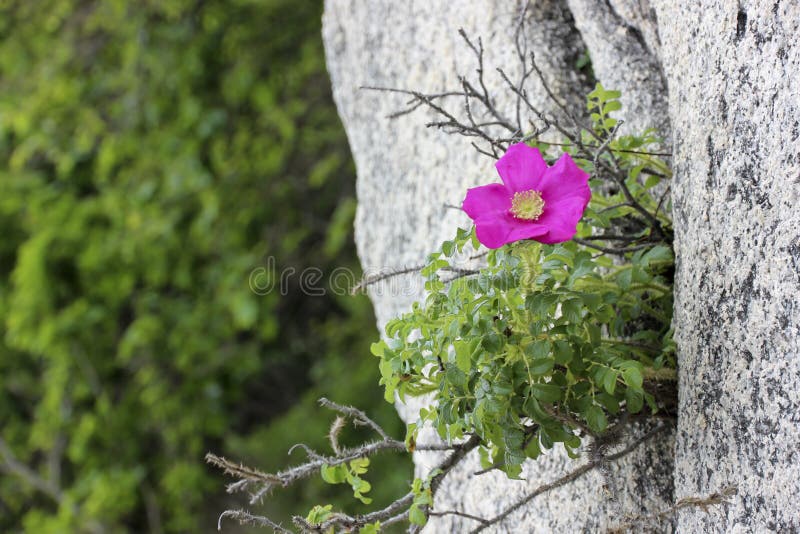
(152, 154)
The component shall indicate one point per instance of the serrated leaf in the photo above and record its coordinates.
(546, 392)
(512, 470)
(610, 381)
(319, 514)
(651, 182)
(596, 418)
(571, 310)
(463, 356)
(633, 377)
(613, 105)
(624, 279)
(455, 376)
(416, 516)
(541, 366)
(562, 351)
(492, 343)
(533, 450)
(659, 253)
(634, 401)
(538, 349)
(448, 248)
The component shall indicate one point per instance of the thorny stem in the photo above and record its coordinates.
(397, 510)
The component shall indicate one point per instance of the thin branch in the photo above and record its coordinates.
(561, 106)
(714, 499)
(14, 467)
(521, 47)
(619, 177)
(246, 518)
(484, 96)
(661, 199)
(481, 520)
(358, 417)
(459, 272)
(623, 150)
(615, 237)
(398, 510)
(311, 453)
(374, 279)
(608, 250)
(606, 142)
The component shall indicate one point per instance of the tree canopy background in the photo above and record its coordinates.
(152, 155)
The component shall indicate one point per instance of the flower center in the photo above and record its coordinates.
(527, 205)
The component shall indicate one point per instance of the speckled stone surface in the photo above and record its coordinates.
(733, 70)
(407, 174)
(622, 39)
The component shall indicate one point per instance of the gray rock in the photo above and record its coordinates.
(623, 59)
(734, 81)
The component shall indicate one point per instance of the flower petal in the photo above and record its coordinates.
(494, 231)
(521, 168)
(561, 219)
(564, 180)
(486, 199)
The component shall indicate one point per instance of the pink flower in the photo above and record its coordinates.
(534, 202)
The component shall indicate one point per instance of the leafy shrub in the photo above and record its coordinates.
(154, 154)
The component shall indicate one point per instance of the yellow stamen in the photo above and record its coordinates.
(527, 205)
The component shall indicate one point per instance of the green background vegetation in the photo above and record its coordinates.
(152, 154)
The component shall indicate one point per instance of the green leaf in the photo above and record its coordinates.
(411, 435)
(633, 377)
(659, 253)
(512, 470)
(455, 376)
(359, 465)
(612, 105)
(319, 514)
(610, 381)
(533, 450)
(652, 181)
(463, 356)
(571, 310)
(448, 248)
(609, 402)
(492, 343)
(546, 392)
(634, 401)
(624, 279)
(540, 304)
(562, 351)
(596, 419)
(370, 528)
(416, 516)
(538, 349)
(333, 474)
(541, 366)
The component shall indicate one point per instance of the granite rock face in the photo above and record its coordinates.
(622, 39)
(722, 84)
(734, 80)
